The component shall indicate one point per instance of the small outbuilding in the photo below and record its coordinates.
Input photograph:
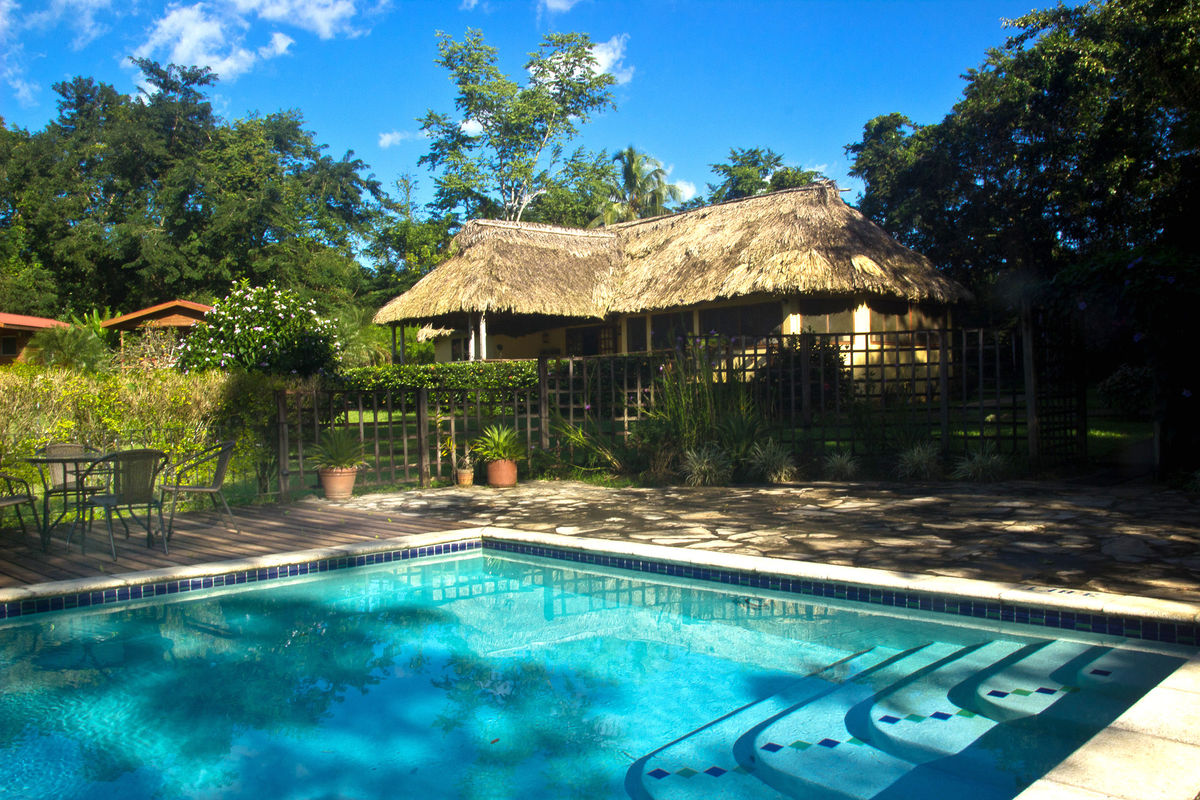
(16, 331)
(780, 263)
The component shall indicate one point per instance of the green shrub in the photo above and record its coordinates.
(1129, 391)
(983, 464)
(261, 329)
(499, 375)
(75, 347)
(771, 462)
(922, 462)
(706, 465)
(841, 465)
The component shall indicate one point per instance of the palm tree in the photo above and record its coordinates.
(640, 191)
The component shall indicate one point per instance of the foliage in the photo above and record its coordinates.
(921, 461)
(841, 465)
(261, 329)
(149, 348)
(126, 201)
(499, 443)
(338, 448)
(641, 191)
(982, 464)
(771, 462)
(363, 343)
(573, 195)
(73, 347)
(452, 375)
(402, 247)
(1129, 391)
(502, 148)
(706, 465)
(755, 170)
(156, 408)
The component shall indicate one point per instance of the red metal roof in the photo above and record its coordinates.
(21, 322)
(173, 313)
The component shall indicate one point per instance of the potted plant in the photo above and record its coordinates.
(338, 457)
(500, 447)
(464, 463)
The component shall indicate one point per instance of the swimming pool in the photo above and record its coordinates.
(505, 675)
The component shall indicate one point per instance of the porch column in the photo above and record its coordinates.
(482, 336)
(470, 337)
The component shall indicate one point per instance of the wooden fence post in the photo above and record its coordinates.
(944, 387)
(423, 436)
(543, 403)
(284, 472)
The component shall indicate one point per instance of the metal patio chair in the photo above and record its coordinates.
(131, 477)
(188, 477)
(14, 493)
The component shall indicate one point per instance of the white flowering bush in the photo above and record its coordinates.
(261, 329)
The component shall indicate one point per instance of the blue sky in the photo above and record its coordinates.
(695, 78)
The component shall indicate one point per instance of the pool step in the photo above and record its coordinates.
(912, 737)
(882, 723)
(700, 764)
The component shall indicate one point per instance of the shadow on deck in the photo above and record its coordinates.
(202, 537)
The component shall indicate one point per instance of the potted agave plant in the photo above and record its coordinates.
(338, 457)
(500, 447)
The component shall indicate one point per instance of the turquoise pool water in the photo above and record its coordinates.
(486, 676)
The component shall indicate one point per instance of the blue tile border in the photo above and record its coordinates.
(86, 599)
(990, 610)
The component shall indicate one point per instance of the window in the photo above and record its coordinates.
(668, 331)
(635, 334)
(760, 319)
(8, 346)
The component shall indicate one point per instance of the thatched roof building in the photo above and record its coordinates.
(799, 242)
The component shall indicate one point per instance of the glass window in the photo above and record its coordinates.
(635, 334)
(8, 346)
(668, 331)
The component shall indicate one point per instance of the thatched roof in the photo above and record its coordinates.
(802, 241)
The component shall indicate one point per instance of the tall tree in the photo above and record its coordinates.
(754, 170)
(641, 190)
(503, 147)
(1069, 169)
(126, 202)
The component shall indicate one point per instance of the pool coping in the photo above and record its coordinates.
(1150, 751)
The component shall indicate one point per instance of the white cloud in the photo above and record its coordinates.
(210, 36)
(279, 45)
(325, 18)
(610, 57)
(393, 138)
(468, 5)
(471, 127)
(687, 190)
(557, 6)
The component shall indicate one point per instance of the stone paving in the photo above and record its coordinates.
(1129, 539)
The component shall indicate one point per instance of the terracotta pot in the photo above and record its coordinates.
(466, 477)
(338, 482)
(502, 473)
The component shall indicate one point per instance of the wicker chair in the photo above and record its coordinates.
(131, 477)
(189, 477)
(14, 493)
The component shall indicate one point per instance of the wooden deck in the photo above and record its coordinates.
(199, 538)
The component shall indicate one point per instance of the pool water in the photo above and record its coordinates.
(484, 676)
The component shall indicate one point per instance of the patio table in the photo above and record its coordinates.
(72, 466)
